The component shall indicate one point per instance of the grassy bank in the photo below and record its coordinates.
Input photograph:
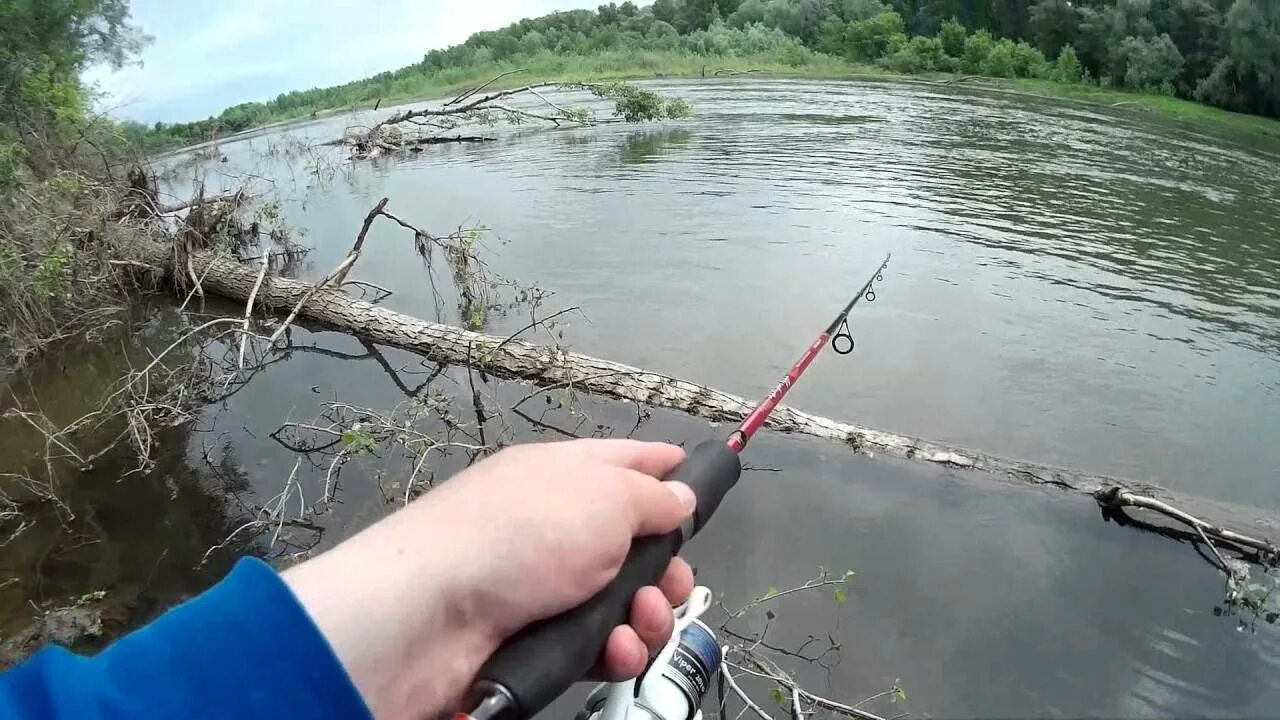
(1162, 105)
(651, 64)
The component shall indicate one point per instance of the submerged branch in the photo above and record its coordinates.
(631, 104)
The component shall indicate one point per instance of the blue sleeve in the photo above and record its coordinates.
(244, 649)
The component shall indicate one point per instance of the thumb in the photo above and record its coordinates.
(657, 507)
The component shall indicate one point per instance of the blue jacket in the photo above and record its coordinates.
(243, 649)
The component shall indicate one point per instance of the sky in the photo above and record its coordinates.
(207, 56)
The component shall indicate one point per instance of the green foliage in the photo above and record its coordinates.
(874, 37)
(634, 104)
(53, 274)
(1252, 31)
(1053, 25)
(855, 10)
(920, 54)
(778, 696)
(44, 45)
(1029, 62)
(999, 62)
(12, 161)
(1152, 64)
(1069, 69)
(952, 36)
(977, 48)
(840, 595)
(358, 441)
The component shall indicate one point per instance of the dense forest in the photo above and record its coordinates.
(1219, 52)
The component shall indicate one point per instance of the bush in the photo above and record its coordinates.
(875, 37)
(999, 62)
(855, 10)
(1069, 69)
(794, 54)
(12, 160)
(831, 37)
(906, 61)
(1152, 64)
(952, 36)
(976, 49)
(1222, 88)
(929, 50)
(1029, 62)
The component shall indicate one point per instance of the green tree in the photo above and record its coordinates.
(919, 55)
(977, 47)
(44, 46)
(871, 39)
(1069, 69)
(1152, 64)
(1195, 26)
(1029, 62)
(1053, 24)
(952, 36)
(999, 62)
(855, 10)
(1093, 40)
(1248, 78)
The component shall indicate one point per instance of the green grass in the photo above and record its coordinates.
(1162, 105)
(649, 64)
(622, 65)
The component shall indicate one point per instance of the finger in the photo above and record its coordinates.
(677, 582)
(654, 459)
(624, 656)
(656, 507)
(652, 619)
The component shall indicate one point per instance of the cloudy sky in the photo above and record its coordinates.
(206, 56)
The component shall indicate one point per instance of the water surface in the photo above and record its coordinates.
(1069, 285)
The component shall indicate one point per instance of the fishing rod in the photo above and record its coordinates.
(537, 664)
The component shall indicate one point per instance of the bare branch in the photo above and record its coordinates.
(486, 84)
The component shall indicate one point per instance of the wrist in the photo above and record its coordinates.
(399, 619)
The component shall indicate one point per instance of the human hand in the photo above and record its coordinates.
(414, 604)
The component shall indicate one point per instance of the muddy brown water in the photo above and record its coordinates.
(1070, 285)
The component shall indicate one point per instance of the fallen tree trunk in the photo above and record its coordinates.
(554, 368)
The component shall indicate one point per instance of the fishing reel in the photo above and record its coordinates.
(676, 681)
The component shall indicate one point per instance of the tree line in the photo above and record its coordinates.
(1220, 52)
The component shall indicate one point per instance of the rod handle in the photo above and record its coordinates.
(537, 664)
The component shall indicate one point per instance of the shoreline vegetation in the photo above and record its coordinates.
(670, 66)
(1201, 61)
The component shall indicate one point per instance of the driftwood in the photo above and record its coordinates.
(555, 368)
(1118, 497)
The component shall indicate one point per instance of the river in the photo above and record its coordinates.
(1072, 285)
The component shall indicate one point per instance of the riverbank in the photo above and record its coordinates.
(648, 65)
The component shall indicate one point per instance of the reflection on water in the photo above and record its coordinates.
(138, 538)
(651, 145)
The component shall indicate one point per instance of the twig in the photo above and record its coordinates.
(1223, 561)
(359, 244)
(341, 270)
(248, 306)
(227, 540)
(372, 286)
(733, 684)
(764, 672)
(532, 325)
(195, 289)
(823, 579)
(475, 90)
